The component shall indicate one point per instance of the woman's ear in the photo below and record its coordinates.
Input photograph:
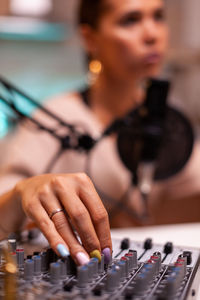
(88, 35)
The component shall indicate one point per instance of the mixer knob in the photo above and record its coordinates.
(13, 244)
(126, 260)
(55, 272)
(37, 264)
(112, 279)
(82, 276)
(91, 270)
(149, 272)
(70, 265)
(135, 262)
(63, 269)
(20, 257)
(95, 262)
(122, 265)
(101, 265)
(44, 262)
(51, 256)
(139, 283)
(28, 269)
(157, 258)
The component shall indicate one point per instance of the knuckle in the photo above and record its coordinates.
(43, 223)
(82, 178)
(30, 207)
(56, 180)
(59, 183)
(43, 192)
(79, 214)
(101, 216)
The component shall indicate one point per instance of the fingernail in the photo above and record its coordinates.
(82, 258)
(96, 253)
(62, 250)
(107, 255)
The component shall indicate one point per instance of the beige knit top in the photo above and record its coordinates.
(28, 151)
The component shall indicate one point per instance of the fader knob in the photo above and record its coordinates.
(148, 244)
(168, 248)
(188, 255)
(125, 244)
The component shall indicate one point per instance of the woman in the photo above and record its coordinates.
(128, 40)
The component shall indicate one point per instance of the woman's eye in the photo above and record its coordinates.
(159, 15)
(130, 20)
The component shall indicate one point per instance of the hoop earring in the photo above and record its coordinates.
(95, 68)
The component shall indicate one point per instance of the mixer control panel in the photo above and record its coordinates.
(137, 271)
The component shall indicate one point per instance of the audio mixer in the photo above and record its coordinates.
(137, 271)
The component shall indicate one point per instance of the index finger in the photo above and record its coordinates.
(98, 213)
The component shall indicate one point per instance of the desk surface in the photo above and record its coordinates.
(180, 234)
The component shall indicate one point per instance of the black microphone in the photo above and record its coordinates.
(157, 141)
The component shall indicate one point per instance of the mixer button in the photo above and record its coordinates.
(148, 244)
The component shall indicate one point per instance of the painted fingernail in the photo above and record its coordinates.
(96, 253)
(107, 255)
(62, 250)
(82, 258)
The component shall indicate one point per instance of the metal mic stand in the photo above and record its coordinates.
(74, 140)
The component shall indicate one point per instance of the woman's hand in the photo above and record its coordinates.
(58, 202)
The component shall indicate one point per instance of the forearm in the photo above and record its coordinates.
(12, 217)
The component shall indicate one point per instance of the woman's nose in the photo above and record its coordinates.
(151, 32)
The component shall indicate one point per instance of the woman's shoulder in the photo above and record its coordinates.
(65, 100)
(69, 106)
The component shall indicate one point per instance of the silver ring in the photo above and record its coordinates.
(55, 212)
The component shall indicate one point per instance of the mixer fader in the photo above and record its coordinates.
(138, 271)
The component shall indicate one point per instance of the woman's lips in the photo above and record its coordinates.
(152, 58)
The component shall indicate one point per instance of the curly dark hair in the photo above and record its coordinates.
(90, 12)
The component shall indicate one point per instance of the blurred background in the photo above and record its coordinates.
(41, 53)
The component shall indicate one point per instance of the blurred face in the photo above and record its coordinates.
(131, 38)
